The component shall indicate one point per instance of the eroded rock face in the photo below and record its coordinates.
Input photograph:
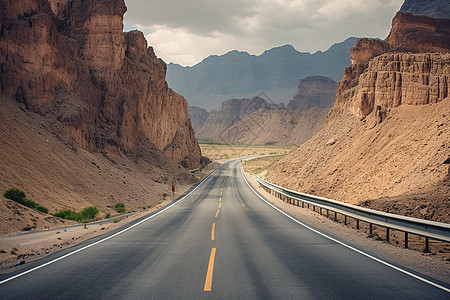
(393, 79)
(71, 60)
(413, 33)
(232, 112)
(313, 91)
(198, 116)
(366, 49)
(383, 74)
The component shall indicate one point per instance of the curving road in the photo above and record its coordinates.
(221, 241)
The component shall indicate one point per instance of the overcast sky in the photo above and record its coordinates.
(187, 31)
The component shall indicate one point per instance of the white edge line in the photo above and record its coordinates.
(107, 238)
(345, 245)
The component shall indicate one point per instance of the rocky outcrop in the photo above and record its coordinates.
(106, 89)
(383, 76)
(232, 112)
(198, 117)
(313, 91)
(412, 33)
(391, 80)
(366, 49)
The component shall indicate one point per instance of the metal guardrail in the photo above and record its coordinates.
(428, 229)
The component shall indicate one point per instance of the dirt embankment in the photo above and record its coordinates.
(403, 162)
(59, 176)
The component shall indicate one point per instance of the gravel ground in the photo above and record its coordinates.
(435, 265)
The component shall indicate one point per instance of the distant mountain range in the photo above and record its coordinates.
(236, 74)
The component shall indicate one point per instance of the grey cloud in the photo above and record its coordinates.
(198, 16)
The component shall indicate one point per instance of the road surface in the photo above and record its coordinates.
(220, 242)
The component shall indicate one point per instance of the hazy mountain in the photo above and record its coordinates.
(239, 74)
(431, 8)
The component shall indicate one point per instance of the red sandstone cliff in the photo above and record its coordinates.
(71, 61)
(411, 67)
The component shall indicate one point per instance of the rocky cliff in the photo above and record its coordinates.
(232, 112)
(386, 140)
(70, 60)
(383, 76)
(198, 117)
(313, 91)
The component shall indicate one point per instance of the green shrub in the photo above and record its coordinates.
(15, 195)
(120, 207)
(42, 209)
(19, 197)
(86, 215)
(68, 214)
(89, 213)
(30, 203)
(107, 216)
(164, 195)
(117, 220)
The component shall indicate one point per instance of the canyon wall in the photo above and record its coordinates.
(105, 89)
(410, 67)
(386, 141)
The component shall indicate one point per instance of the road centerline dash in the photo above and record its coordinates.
(217, 213)
(212, 231)
(209, 272)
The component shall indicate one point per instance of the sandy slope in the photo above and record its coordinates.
(58, 176)
(403, 160)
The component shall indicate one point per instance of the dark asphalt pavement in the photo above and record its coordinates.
(222, 244)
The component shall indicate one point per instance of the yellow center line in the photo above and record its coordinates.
(220, 204)
(220, 199)
(217, 213)
(212, 231)
(209, 273)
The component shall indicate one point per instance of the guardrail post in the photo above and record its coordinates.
(314, 208)
(427, 245)
(422, 228)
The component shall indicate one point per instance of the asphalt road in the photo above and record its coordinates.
(221, 241)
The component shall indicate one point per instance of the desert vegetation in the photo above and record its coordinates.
(18, 196)
(86, 215)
